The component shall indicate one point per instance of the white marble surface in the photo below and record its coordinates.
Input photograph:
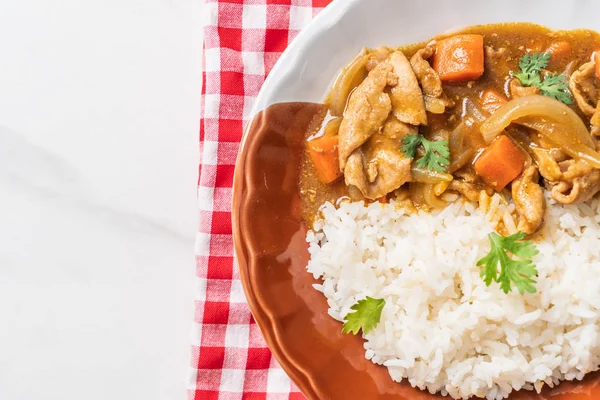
(99, 109)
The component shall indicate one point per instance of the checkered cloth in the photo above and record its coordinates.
(243, 40)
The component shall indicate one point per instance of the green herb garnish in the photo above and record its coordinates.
(437, 154)
(512, 270)
(531, 67)
(556, 87)
(552, 85)
(366, 316)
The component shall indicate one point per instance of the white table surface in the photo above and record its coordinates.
(99, 115)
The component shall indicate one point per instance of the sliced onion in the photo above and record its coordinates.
(423, 175)
(457, 136)
(440, 188)
(461, 159)
(417, 193)
(537, 106)
(470, 109)
(460, 154)
(350, 77)
(562, 136)
(430, 197)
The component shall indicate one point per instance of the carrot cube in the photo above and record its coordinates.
(500, 163)
(459, 58)
(324, 154)
(492, 100)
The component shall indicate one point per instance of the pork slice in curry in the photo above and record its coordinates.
(508, 108)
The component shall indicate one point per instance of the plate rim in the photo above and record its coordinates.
(333, 11)
(301, 378)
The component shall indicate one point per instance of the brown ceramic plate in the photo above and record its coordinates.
(269, 233)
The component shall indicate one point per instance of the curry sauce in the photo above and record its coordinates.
(464, 106)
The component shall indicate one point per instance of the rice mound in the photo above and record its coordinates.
(442, 328)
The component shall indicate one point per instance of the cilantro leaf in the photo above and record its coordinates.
(533, 64)
(528, 79)
(518, 271)
(366, 316)
(552, 85)
(410, 144)
(556, 87)
(437, 154)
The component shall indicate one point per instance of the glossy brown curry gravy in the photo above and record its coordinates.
(505, 45)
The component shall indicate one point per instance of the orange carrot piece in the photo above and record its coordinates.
(559, 50)
(459, 58)
(500, 163)
(597, 61)
(492, 100)
(324, 154)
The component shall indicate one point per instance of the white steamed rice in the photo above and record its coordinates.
(441, 328)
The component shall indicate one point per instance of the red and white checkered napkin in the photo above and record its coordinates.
(243, 40)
